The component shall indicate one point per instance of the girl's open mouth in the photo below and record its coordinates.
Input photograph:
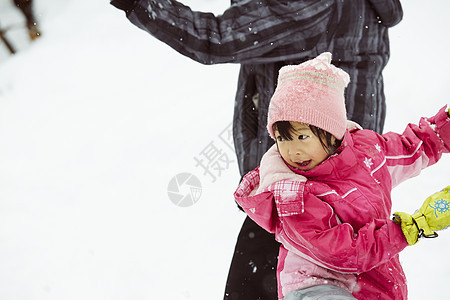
(303, 165)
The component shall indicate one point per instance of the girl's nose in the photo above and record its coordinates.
(294, 151)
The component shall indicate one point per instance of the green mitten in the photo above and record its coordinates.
(432, 216)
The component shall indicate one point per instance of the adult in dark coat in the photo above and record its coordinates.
(264, 35)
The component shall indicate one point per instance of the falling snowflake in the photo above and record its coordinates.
(368, 162)
(441, 206)
(151, 12)
(253, 265)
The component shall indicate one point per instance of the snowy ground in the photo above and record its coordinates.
(96, 119)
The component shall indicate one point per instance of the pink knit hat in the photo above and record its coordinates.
(311, 93)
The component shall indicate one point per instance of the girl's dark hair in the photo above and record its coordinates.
(287, 131)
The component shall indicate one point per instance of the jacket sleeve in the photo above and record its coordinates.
(418, 147)
(318, 236)
(125, 5)
(249, 31)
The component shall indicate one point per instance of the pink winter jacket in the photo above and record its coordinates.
(334, 221)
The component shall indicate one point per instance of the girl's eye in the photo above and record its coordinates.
(280, 139)
(302, 137)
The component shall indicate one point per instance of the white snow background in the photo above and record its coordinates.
(96, 118)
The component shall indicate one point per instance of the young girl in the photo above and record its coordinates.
(324, 190)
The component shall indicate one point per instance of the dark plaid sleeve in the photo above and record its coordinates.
(249, 31)
(125, 5)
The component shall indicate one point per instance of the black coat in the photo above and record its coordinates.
(264, 35)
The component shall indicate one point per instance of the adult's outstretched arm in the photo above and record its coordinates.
(247, 32)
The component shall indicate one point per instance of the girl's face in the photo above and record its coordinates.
(304, 151)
